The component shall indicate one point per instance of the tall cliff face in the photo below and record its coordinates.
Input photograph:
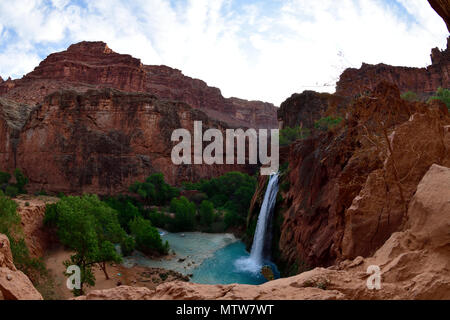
(343, 198)
(102, 141)
(88, 65)
(423, 81)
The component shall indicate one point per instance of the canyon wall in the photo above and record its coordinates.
(343, 198)
(423, 81)
(102, 141)
(90, 65)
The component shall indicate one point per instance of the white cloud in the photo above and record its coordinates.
(248, 51)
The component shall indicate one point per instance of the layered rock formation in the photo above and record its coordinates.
(101, 141)
(89, 65)
(343, 198)
(423, 81)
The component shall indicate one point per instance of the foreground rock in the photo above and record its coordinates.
(414, 263)
(14, 284)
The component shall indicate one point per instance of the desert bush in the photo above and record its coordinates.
(442, 95)
(328, 123)
(409, 96)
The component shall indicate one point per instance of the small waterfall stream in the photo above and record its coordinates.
(262, 233)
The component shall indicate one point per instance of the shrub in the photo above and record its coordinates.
(4, 177)
(289, 135)
(409, 96)
(21, 181)
(442, 95)
(154, 190)
(11, 191)
(327, 123)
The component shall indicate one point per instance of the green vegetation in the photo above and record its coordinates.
(4, 177)
(90, 228)
(410, 96)
(125, 208)
(21, 181)
(442, 95)
(206, 212)
(230, 193)
(147, 237)
(13, 189)
(328, 123)
(289, 135)
(11, 227)
(154, 190)
(184, 214)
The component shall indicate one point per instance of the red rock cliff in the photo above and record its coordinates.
(102, 141)
(423, 81)
(343, 199)
(88, 65)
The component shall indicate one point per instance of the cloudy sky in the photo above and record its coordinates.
(253, 49)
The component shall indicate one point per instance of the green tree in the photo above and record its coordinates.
(442, 95)
(231, 192)
(4, 177)
(126, 210)
(147, 237)
(154, 190)
(21, 181)
(184, 214)
(206, 212)
(90, 228)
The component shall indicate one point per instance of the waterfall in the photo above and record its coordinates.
(262, 233)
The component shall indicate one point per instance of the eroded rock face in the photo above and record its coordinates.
(102, 141)
(14, 284)
(89, 65)
(423, 81)
(343, 200)
(31, 210)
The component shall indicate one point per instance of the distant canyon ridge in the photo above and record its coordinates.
(89, 119)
